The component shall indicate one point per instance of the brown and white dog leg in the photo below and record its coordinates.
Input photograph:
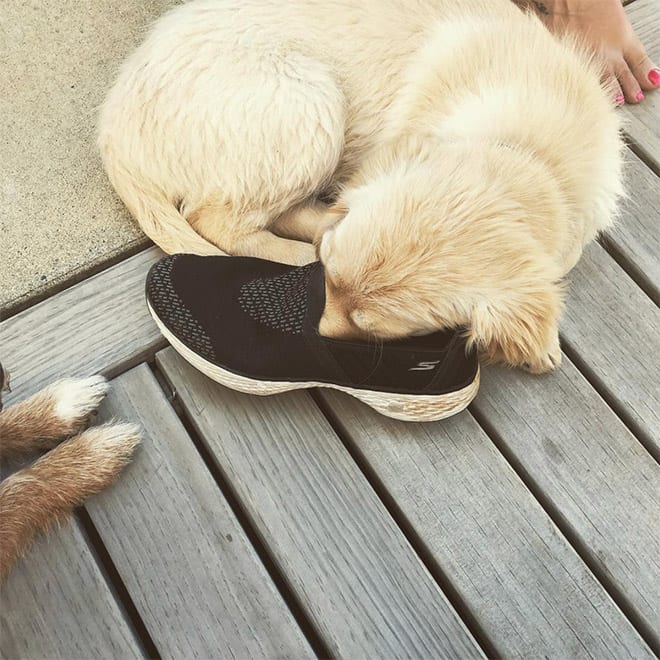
(34, 498)
(48, 417)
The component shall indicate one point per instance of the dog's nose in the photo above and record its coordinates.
(335, 321)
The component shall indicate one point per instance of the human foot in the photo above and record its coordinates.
(604, 26)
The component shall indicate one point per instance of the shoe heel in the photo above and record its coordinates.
(418, 408)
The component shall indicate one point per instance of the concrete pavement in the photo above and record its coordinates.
(59, 217)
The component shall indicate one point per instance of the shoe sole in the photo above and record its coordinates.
(406, 407)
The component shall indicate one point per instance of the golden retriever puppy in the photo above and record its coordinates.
(471, 155)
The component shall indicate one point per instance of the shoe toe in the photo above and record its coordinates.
(178, 315)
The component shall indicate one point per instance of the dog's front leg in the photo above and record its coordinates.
(524, 334)
(46, 492)
(48, 417)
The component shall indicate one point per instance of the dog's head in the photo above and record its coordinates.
(430, 247)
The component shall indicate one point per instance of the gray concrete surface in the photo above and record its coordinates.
(59, 217)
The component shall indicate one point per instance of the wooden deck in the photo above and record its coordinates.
(306, 525)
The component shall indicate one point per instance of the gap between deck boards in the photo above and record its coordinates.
(292, 601)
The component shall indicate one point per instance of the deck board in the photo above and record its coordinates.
(615, 329)
(589, 469)
(635, 240)
(98, 325)
(644, 119)
(365, 590)
(531, 593)
(196, 580)
(56, 604)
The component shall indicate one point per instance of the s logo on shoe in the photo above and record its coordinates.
(425, 366)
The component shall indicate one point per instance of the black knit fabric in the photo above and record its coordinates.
(278, 302)
(260, 319)
(180, 319)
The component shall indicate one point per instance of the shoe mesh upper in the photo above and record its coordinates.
(178, 317)
(278, 302)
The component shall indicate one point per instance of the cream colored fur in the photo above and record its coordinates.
(472, 155)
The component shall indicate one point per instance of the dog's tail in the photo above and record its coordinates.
(157, 215)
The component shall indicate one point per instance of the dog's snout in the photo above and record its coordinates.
(336, 318)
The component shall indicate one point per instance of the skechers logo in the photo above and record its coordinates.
(425, 366)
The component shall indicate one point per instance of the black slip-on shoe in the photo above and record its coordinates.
(252, 325)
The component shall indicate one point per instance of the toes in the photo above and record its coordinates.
(96, 457)
(646, 73)
(548, 361)
(115, 442)
(77, 398)
(110, 448)
(653, 77)
(631, 89)
(543, 365)
(613, 87)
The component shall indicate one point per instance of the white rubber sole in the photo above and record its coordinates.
(406, 407)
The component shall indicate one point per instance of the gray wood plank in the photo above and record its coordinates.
(365, 590)
(615, 329)
(635, 240)
(644, 119)
(196, 580)
(590, 470)
(99, 325)
(56, 604)
(531, 593)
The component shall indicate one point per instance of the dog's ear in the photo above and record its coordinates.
(521, 329)
(333, 215)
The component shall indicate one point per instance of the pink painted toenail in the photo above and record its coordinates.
(654, 76)
(619, 99)
(640, 96)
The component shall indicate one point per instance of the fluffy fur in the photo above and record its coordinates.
(34, 498)
(471, 156)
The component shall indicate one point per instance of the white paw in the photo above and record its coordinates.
(304, 254)
(101, 452)
(114, 441)
(549, 361)
(77, 398)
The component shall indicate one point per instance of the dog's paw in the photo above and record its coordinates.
(90, 461)
(114, 443)
(76, 400)
(548, 361)
(107, 449)
(303, 254)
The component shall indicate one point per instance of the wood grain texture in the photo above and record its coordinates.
(519, 577)
(365, 590)
(196, 580)
(644, 119)
(99, 325)
(590, 470)
(56, 604)
(615, 329)
(635, 240)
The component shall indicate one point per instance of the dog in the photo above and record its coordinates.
(78, 463)
(468, 156)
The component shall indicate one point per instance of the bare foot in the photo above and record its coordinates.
(603, 24)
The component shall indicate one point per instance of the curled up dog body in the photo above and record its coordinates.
(468, 154)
